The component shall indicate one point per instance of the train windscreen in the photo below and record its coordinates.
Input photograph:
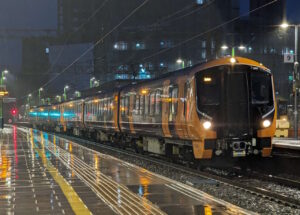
(209, 90)
(261, 89)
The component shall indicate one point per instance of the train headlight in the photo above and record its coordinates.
(207, 125)
(266, 123)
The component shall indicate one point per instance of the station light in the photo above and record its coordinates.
(284, 25)
(179, 60)
(241, 47)
(224, 47)
(5, 71)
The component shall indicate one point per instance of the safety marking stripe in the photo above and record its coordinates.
(74, 200)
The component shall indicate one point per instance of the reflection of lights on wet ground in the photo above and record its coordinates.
(119, 196)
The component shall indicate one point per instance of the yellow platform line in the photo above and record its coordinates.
(74, 200)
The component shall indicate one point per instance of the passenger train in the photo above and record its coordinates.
(220, 108)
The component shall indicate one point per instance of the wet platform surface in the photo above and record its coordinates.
(44, 174)
(286, 143)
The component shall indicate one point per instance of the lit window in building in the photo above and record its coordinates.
(121, 46)
(213, 44)
(162, 64)
(203, 44)
(166, 44)
(139, 46)
(203, 54)
(272, 50)
(199, 2)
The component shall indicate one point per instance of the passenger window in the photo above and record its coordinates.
(142, 105)
(146, 104)
(152, 103)
(137, 104)
(158, 102)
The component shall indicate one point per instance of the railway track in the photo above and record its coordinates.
(240, 187)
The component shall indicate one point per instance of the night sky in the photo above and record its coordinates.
(42, 14)
(293, 11)
(28, 14)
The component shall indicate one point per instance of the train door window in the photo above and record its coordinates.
(185, 93)
(173, 95)
(122, 106)
(174, 100)
(127, 105)
(152, 103)
(111, 106)
(158, 102)
(146, 105)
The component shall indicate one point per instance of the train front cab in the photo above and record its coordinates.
(232, 109)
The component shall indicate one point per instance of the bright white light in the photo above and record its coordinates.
(207, 125)
(241, 47)
(93, 78)
(284, 25)
(179, 60)
(29, 95)
(224, 47)
(266, 123)
(232, 60)
(41, 89)
(5, 71)
(4, 78)
(67, 87)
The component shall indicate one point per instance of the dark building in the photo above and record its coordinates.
(166, 35)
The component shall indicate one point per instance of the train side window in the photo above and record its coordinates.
(137, 104)
(152, 103)
(142, 104)
(174, 100)
(122, 106)
(158, 102)
(126, 105)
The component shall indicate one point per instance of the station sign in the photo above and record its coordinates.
(288, 58)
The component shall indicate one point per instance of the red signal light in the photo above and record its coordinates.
(14, 112)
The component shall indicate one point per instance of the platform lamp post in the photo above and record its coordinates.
(77, 94)
(225, 47)
(295, 76)
(96, 83)
(92, 81)
(28, 98)
(65, 92)
(58, 98)
(181, 62)
(40, 90)
(2, 75)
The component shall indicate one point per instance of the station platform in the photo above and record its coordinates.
(44, 174)
(286, 143)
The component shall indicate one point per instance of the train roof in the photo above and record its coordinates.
(121, 85)
(202, 66)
